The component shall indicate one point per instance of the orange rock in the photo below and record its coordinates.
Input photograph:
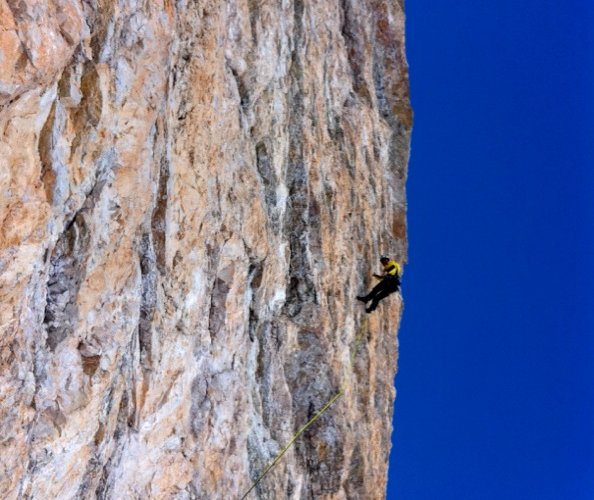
(191, 196)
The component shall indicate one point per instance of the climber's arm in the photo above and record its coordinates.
(388, 269)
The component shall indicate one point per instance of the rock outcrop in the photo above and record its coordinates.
(193, 192)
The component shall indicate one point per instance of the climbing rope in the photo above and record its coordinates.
(293, 439)
(358, 338)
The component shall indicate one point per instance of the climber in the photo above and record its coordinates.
(389, 283)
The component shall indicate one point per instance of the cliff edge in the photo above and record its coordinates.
(193, 192)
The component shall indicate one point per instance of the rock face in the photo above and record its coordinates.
(193, 192)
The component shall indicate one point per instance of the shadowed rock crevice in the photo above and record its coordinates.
(255, 273)
(118, 420)
(68, 262)
(218, 299)
(148, 301)
(200, 404)
(105, 487)
(254, 11)
(159, 216)
(268, 176)
(300, 290)
(356, 43)
(67, 270)
(269, 376)
(87, 115)
(356, 473)
(242, 89)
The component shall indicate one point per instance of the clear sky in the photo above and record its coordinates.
(496, 372)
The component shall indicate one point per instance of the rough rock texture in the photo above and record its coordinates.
(192, 192)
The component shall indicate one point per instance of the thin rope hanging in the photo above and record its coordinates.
(336, 397)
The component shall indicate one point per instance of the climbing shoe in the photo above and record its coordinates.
(362, 299)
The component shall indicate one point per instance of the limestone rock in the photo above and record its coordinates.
(193, 192)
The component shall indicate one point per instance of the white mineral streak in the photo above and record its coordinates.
(192, 193)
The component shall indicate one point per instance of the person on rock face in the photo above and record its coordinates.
(389, 283)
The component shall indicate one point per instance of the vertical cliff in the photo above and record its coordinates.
(193, 192)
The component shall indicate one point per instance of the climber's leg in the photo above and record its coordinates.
(388, 290)
(374, 291)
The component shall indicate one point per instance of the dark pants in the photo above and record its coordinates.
(384, 288)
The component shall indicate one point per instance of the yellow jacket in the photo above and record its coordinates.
(392, 268)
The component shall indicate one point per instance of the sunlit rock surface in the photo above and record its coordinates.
(192, 193)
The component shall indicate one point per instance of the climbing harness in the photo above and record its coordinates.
(361, 332)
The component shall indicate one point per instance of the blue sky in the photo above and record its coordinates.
(496, 372)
